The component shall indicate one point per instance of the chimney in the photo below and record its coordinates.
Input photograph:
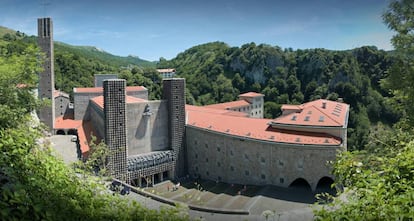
(324, 105)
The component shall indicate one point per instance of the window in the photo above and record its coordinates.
(231, 152)
(307, 118)
(263, 177)
(207, 160)
(207, 173)
(196, 168)
(246, 172)
(321, 119)
(293, 117)
(195, 142)
(218, 164)
(231, 168)
(196, 156)
(280, 163)
(218, 149)
(262, 159)
(206, 145)
(281, 180)
(246, 156)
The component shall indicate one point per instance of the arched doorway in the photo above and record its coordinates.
(72, 132)
(300, 183)
(325, 185)
(60, 132)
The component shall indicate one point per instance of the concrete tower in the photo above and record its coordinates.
(115, 126)
(46, 85)
(173, 91)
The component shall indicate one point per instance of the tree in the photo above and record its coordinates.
(399, 17)
(34, 184)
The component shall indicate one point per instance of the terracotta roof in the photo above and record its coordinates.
(229, 105)
(99, 100)
(253, 128)
(166, 70)
(316, 113)
(215, 111)
(58, 93)
(100, 89)
(251, 94)
(84, 131)
(291, 107)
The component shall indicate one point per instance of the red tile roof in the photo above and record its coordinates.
(58, 93)
(251, 94)
(99, 100)
(215, 111)
(321, 113)
(253, 128)
(84, 131)
(167, 70)
(100, 89)
(229, 105)
(290, 107)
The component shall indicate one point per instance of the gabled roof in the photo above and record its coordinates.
(100, 89)
(57, 93)
(251, 94)
(215, 111)
(253, 128)
(316, 113)
(229, 105)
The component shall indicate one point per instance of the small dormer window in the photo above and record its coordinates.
(321, 119)
(307, 118)
(293, 117)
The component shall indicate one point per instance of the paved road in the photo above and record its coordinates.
(64, 148)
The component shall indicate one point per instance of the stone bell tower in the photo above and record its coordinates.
(46, 85)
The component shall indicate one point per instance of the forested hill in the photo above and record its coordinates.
(215, 72)
(103, 56)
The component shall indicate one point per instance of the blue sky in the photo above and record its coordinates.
(164, 28)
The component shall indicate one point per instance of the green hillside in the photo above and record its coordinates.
(4, 30)
(75, 66)
(105, 57)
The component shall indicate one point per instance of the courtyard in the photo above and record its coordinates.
(242, 199)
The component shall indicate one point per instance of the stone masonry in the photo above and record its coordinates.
(46, 77)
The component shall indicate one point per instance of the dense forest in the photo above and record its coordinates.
(376, 175)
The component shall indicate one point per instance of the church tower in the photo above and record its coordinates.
(46, 85)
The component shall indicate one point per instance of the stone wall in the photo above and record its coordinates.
(46, 84)
(231, 159)
(147, 131)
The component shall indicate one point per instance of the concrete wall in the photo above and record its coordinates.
(139, 94)
(147, 132)
(81, 103)
(61, 105)
(97, 118)
(233, 160)
(99, 78)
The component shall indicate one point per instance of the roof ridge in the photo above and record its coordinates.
(339, 123)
